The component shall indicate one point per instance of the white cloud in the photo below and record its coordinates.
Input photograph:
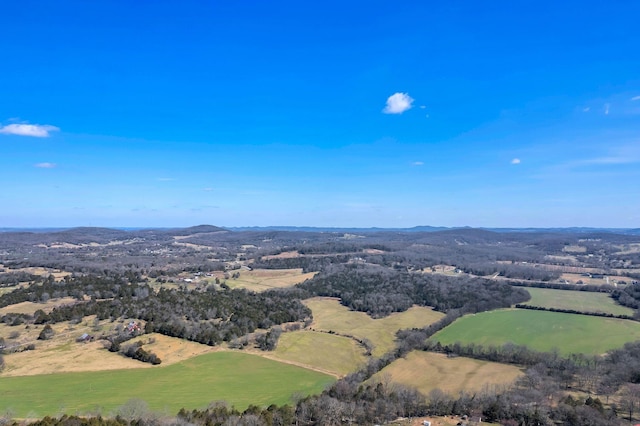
(606, 109)
(586, 109)
(417, 163)
(207, 189)
(636, 98)
(515, 161)
(45, 165)
(398, 103)
(423, 106)
(35, 130)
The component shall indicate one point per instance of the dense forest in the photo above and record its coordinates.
(379, 292)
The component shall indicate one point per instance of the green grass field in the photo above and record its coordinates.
(426, 371)
(240, 379)
(329, 314)
(327, 352)
(543, 331)
(583, 301)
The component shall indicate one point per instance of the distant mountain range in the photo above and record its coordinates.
(200, 229)
(571, 230)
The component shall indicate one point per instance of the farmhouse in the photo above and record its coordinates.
(132, 327)
(85, 338)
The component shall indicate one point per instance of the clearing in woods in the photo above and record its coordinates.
(426, 371)
(582, 301)
(266, 279)
(330, 315)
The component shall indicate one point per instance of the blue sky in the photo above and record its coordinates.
(351, 114)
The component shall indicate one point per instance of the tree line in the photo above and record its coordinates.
(381, 291)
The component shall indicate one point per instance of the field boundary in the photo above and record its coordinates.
(576, 312)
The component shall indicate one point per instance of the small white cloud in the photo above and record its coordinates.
(207, 189)
(35, 130)
(398, 103)
(417, 163)
(636, 98)
(586, 109)
(515, 161)
(45, 165)
(606, 109)
(423, 106)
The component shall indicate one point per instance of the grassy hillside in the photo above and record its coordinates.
(541, 330)
(240, 379)
(427, 371)
(582, 301)
(330, 315)
(326, 352)
(266, 279)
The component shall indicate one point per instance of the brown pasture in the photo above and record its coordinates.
(266, 279)
(427, 371)
(31, 307)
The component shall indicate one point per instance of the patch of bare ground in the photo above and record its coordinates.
(283, 255)
(373, 251)
(574, 249)
(192, 246)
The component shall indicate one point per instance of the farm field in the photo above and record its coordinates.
(283, 255)
(330, 315)
(43, 272)
(326, 352)
(266, 279)
(61, 353)
(426, 371)
(31, 307)
(4, 290)
(542, 331)
(583, 301)
(240, 379)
